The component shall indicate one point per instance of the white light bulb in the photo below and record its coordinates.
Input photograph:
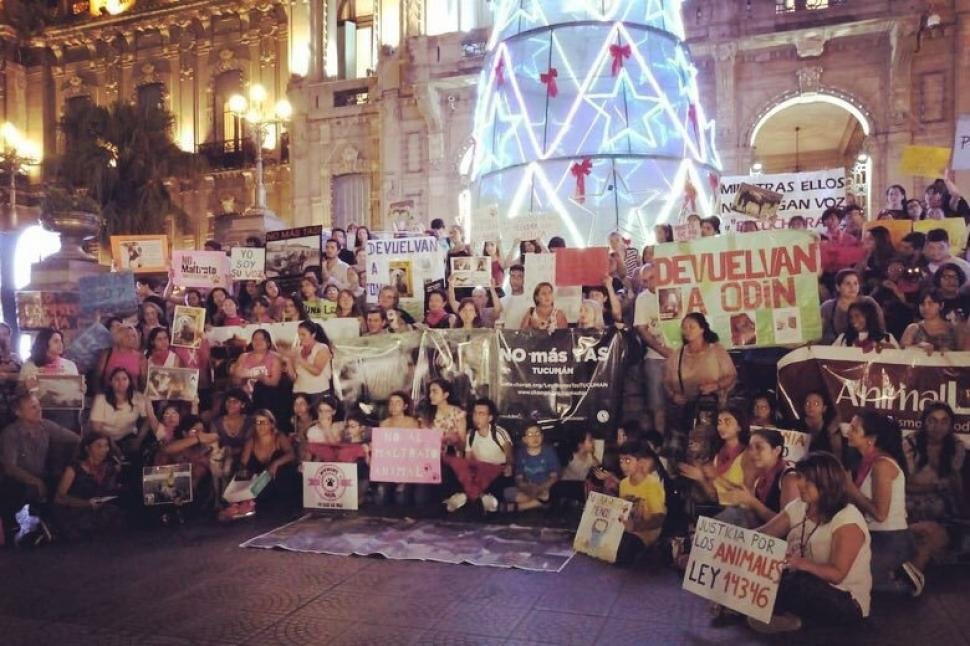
(257, 93)
(238, 103)
(284, 110)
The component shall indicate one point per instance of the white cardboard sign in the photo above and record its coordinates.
(329, 485)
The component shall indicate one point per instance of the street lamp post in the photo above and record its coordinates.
(256, 114)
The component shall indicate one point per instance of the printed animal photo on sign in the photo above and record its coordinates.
(400, 277)
(671, 304)
(743, 330)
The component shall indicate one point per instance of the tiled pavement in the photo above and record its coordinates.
(193, 585)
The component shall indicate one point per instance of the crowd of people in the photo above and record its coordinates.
(866, 510)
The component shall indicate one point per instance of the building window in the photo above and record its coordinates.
(447, 16)
(228, 128)
(350, 196)
(355, 39)
(791, 6)
(151, 95)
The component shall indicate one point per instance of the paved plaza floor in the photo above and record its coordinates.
(192, 584)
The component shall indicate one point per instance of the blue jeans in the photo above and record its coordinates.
(889, 551)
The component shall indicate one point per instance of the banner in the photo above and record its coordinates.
(247, 263)
(368, 369)
(406, 455)
(894, 382)
(756, 290)
(601, 527)
(486, 225)
(961, 144)
(406, 263)
(110, 293)
(329, 485)
(466, 358)
(735, 567)
(804, 194)
(578, 267)
(205, 269)
(569, 379)
(39, 310)
(141, 254)
(283, 334)
(531, 226)
(924, 161)
(291, 252)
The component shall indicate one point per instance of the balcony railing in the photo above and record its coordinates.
(351, 97)
(793, 6)
(228, 155)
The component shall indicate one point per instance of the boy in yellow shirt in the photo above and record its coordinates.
(643, 486)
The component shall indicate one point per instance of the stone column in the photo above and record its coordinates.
(317, 22)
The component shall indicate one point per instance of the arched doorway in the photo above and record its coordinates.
(809, 132)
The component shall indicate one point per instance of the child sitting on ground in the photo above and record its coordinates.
(643, 486)
(536, 470)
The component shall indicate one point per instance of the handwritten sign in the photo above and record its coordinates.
(601, 527)
(247, 263)
(329, 485)
(961, 144)
(206, 269)
(108, 293)
(410, 455)
(532, 226)
(735, 567)
(924, 161)
(796, 443)
(578, 267)
(486, 225)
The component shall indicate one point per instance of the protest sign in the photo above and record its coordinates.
(247, 263)
(758, 289)
(112, 293)
(368, 369)
(804, 194)
(60, 392)
(961, 144)
(578, 267)
(406, 455)
(539, 268)
(283, 334)
(756, 202)
(141, 254)
(188, 326)
(205, 269)
(956, 230)
(924, 161)
(486, 226)
(735, 567)
(167, 485)
(172, 383)
(569, 379)
(320, 308)
(796, 443)
(290, 252)
(898, 229)
(40, 310)
(601, 527)
(893, 382)
(531, 226)
(85, 349)
(329, 485)
(471, 271)
(407, 264)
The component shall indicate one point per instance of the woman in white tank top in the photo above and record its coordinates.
(878, 489)
(309, 361)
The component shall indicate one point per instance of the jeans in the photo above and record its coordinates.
(889, 551)
(813, 600)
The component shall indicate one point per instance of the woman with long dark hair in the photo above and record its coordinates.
(158, 350)
(83, 502)
(46, 360)
(932, 332)
(775, 483)
(447, 415)
(826, 577)
(865, 330)
(726, 471)
(117, 412)
(309, 362)
(878, 488)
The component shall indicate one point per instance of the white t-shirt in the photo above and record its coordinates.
(514, 309)
(485, 449)
(646, 311)
(817, 540)
(118, 422)
(896, 520)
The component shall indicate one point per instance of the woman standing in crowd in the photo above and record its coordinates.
(293, 311)
(827, 579)
(879, 251)
(159, 351)
(248, 294)
(272, 291)
(259, 372)
(83, 501)
(865, 330)
(775, 482)
(878, 489)
(270, 451)
(763, 411)
(124, 353)
(496, 264)
(117, 411)
(260, 311)
(701, 367)
(543, 315)
(213, 306)
(933, 332)
(820, 421)
(309, 362)
(230, 313)
(312, 304)
(934, 490)
(437, 317)
(150, 317)
(835, 311)
(447, 416)
(590, 316)
(348, 308)
(468, 315)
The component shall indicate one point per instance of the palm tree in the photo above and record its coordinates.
(123, 155)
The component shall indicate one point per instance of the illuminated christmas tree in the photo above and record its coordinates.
(589, 110)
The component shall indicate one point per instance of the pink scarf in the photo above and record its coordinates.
(865, 467)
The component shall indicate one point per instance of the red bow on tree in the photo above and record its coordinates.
(580, 170)
(500, 72)
(549, 78)
(619, 52)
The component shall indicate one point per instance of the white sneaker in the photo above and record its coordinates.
(782, 623)
(915, 577)
(490, 503)
(455, 502)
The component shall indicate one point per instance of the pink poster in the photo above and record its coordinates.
(205, 269)
(411, 455)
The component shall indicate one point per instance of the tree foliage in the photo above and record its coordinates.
(123, 155)
(28, 17)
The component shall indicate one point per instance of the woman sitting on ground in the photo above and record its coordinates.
(878, 489)
(775, 483)
(865, 330)
(934, 490)
(536, 471)
(117, 412)
(83, 503)
(448, 417)
(827, 578)
(326, 430)
(399, 411)
(731, 461)
(270, 451)
(820, 420)
(400, 414)
(191, 444)
(233, 425)
(933, 332)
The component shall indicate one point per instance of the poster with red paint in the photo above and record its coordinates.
(409, 455)
(578, 267)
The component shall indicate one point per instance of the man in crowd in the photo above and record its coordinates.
(33, 452)
(334, 269)
(938, 252)
(397, 319)
(646, 320)
(515, 304)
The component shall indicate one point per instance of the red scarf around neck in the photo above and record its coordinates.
(862, 472)
(726, 457)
